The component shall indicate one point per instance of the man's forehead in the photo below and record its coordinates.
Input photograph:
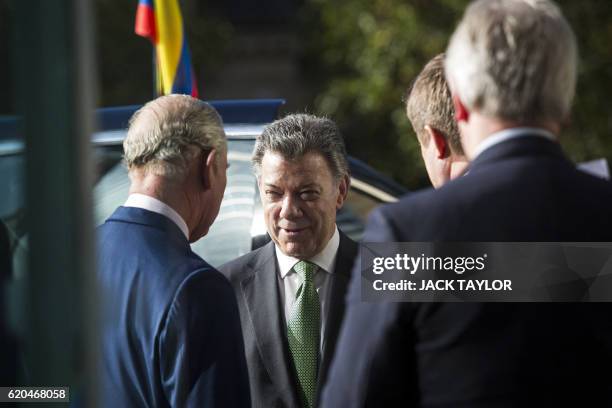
(310, 161)
(290, 175)
(303, 170)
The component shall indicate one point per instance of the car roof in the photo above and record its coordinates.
(233, 132)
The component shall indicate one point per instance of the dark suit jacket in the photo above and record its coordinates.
(484, 354)
(170, 326)
(271, 373)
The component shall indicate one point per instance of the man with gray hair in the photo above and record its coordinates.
(511, 67)
(291, 291)
(170, 327)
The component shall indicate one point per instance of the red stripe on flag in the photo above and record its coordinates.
(145, 22)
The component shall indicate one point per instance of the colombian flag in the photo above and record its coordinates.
(161, 22)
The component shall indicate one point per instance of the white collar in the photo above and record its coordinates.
(324, 259)
(153, 204)
(512, 133)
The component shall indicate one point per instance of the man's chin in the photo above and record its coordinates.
(296, 250)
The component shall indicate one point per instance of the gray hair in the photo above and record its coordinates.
(514, 60)
(295, 135)
(168, 132)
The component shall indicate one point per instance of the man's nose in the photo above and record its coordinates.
(290, 208)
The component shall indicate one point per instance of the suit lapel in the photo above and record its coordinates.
(261, 294)
(347, 251)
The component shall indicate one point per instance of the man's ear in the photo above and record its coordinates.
(207, 167)
(439, 141)
(461, 112)
(343, 188)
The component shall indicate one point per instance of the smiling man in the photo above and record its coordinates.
(291, 291)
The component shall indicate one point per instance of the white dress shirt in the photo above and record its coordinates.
(153, 204)
(512, 133)
(289, 280)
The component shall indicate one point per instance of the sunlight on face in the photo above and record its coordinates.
(300, 198)
(428, 153)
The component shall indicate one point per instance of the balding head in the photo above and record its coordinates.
(168, 132)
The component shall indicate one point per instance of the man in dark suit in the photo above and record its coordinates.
(511, 66)
(291, 291)
(170, 326)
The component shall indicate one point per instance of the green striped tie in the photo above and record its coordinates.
(303, 332)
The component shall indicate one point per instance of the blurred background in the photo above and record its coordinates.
(349, 59)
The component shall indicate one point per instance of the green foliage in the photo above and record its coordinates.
(364, 54)
(589, 135)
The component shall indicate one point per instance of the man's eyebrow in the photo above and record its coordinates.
(271, 185)
(310, 185)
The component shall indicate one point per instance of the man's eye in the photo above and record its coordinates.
(309, 195)
(272, 194)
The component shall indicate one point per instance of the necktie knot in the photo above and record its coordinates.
(305, 270)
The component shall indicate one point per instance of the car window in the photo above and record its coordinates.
(230, 235)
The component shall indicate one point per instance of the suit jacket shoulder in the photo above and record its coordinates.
(241, 267)
(523, 190)
(419, 211)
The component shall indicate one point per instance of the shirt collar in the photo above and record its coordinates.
(324, 259)
(154, 205)
(512, 133)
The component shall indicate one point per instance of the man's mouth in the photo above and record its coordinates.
(293, 231)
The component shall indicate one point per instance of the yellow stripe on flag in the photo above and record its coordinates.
(169, 41)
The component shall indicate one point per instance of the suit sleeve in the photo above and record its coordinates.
(201, 351)
(373, 364)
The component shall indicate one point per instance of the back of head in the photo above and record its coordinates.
(429, 102)
(295, 135)
(514, 60)
(168, 132)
